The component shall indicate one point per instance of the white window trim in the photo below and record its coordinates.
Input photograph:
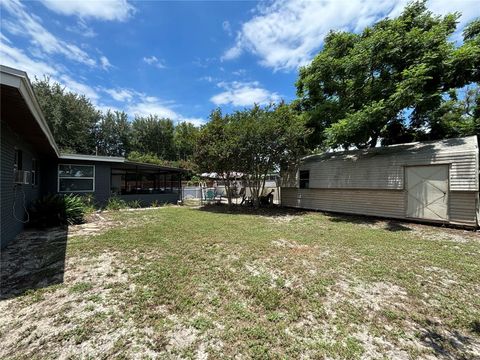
(33, 173)
(75, 177)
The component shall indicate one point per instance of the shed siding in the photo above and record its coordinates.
(463, 207)
(10, 226)
(386, 203)
(383, 203)
(387, 172)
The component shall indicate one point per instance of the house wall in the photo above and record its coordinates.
(102, 179)
(13, 198)
(103, 184)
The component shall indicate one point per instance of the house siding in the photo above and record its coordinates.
(102, 179)
(14, 194)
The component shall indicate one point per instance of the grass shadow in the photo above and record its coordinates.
(268, 211)
(447, 346)
(386, 224)
(35, 259)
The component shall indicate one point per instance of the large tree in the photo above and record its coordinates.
(154, 135)
(185, 138)
(72, 118)
(269, 139)
(216, 149)
(113, 134)
(253, 141)
(389, 81)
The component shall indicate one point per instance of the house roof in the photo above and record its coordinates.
(21, 110)
(121, 161)
(469, 143)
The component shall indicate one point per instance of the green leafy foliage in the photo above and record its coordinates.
(115, 203)
(54, 210)
(72, 118)
(253, 141)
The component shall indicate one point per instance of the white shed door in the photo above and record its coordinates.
(427, 188)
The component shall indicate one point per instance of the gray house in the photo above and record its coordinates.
(31, 164)
(426, 181)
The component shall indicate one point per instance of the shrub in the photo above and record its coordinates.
(135, 204)
(155, 203)
(55, 210)
(74, 209)
(89, 203)
(115, 203)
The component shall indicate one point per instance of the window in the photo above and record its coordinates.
(18, 164)
(304, 179)
(34, 172)
(76, 178)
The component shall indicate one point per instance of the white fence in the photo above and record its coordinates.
(191, 193)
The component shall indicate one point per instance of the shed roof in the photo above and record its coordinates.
(462, 144)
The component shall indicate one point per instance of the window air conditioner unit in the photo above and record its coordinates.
(22, 177)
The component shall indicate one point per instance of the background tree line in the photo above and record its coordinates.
(78, 127)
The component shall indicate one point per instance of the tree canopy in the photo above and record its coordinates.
(398, 80)
(78, 127)
(253, 141)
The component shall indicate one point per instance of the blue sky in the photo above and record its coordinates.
(182, 59)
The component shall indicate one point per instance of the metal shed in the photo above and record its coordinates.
(425, 181)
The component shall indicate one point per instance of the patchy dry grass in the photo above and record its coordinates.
(207, 283)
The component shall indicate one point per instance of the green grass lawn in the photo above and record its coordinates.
(179, 282)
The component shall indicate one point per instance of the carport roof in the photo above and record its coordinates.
(121, 161)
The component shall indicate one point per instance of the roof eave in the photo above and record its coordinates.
(25, 88)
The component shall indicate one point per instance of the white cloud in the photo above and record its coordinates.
(105, 63)
(227, 27)
(286, 34)
(29, 26)
(16, 58)
(150, 105)
(81, 28)
(119, 10)
(120, 94)
(207, 78)
(234, 52)
(154, 61)
(79, 88)
(243, 94)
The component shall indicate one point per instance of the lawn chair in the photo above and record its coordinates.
(210, 197)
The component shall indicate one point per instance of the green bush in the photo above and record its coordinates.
(55, 210)
(135, 204)
(155, 203)
(115, 203)
(89, 203)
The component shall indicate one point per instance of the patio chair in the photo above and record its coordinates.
(211, 197)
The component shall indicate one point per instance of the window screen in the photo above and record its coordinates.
(304, 179)
(76, 178)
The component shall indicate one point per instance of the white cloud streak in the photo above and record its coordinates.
(238, 93)
(285, 34)
(110, 10)
(29, 26)
(105, 63)
(154, 61)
